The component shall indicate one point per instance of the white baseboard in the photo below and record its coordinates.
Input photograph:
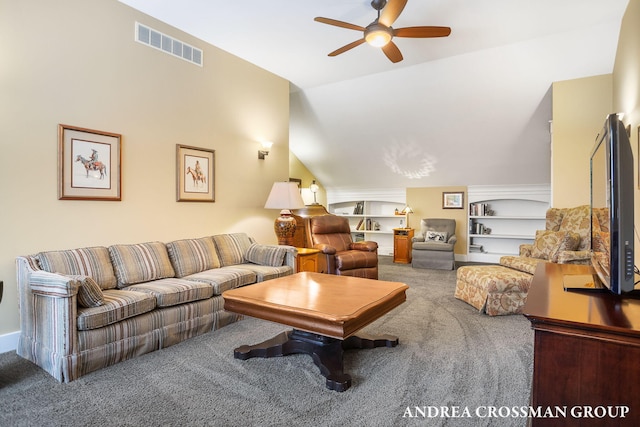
(9, 342)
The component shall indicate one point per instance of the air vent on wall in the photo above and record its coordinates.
(168, 44)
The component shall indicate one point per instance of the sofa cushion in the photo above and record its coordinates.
(190, 256)
(521, 263)
(224, 278)
(93, 262)
(578, 220)
(232, 247)
(431, 245)
(140, 262)
(265, 255)
(267, 272)
(436, 236)
(549, 243)
(118, 305)
(89, 292)
(172, 291)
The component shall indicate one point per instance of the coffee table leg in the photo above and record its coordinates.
(327, 352)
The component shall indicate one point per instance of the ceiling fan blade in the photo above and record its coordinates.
(345, 48)
(422, 32)
(392, 52)
(337, 23)
(391, 11)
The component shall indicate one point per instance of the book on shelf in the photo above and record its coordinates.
(358, 209)
(480, 209)
(358, 227)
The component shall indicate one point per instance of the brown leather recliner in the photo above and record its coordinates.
(331, 234)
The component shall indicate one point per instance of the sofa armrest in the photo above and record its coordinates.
(453, 239)
(325, 249)
(53, 284)
(48, 313)
(418, 239)
(574, 257)
(271, 255)
(364, 246)
(525, 249)
(290, 257)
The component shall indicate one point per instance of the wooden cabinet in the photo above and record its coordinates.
(586, 350)
(309, 260)
(402, 245)
(301, 215)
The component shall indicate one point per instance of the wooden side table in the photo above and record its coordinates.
(402, 244)
(308, 260)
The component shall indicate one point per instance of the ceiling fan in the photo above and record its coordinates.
(379, 33)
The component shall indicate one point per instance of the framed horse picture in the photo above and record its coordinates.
(195, 174)
(88, 164)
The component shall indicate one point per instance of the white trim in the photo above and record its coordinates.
(9, 342)
(343, 194)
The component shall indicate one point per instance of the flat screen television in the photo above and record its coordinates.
(612, 217)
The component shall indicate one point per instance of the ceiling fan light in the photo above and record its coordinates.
(377, 35)
(378, 38)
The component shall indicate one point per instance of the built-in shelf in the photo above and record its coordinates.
(372, 214)
(501, 218)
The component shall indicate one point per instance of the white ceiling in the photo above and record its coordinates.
(472, 108)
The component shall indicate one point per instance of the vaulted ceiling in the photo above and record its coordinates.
(471, 108)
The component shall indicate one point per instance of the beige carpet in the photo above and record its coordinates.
(449, 356)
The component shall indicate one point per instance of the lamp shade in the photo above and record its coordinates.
(284, 195)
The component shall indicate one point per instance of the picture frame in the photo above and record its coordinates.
(298, 181)
(89, 164)
(452, 200)
(195, 174)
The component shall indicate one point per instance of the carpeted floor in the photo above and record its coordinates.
(449, 357)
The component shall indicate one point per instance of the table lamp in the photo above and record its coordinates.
(314, 188)
(284, 196)
(406, 211)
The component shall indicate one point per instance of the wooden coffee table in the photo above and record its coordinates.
(324, 310)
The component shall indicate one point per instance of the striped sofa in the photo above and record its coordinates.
(88, 308)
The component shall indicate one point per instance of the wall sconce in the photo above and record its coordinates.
(266, 146)
(314, 188)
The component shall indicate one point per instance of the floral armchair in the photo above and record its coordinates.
(566, 239)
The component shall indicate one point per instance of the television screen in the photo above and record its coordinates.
(612, 216)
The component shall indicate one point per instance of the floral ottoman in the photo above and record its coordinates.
(493, 289)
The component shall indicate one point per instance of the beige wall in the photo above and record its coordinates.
(426, 202)
(76, 62)
(626, 90)
(298, 170)
(579, 108)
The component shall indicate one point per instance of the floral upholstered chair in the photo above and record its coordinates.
(502, 289)
(567, 236)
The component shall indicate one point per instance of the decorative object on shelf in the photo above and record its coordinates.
(195, 171)
(453, 200)
(264, 151)
(284, 196)
(314, 188)
(88, 164)
(407, 211)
